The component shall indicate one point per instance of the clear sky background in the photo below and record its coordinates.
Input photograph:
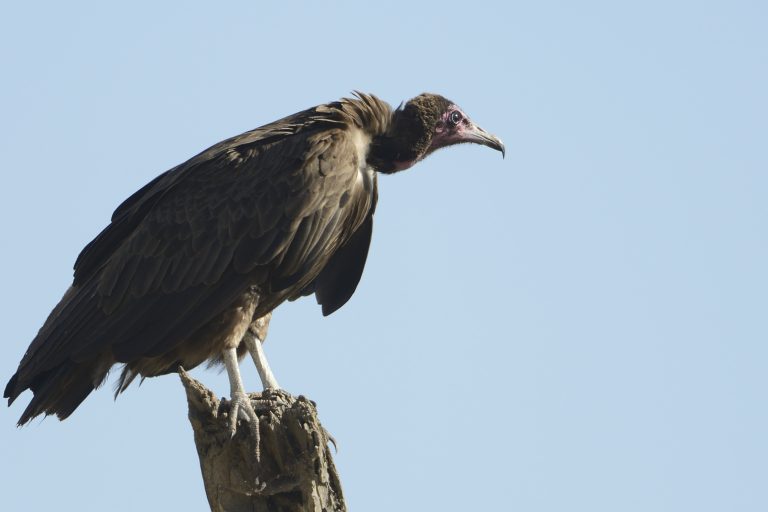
(579, 327)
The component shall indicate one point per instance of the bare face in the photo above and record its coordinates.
(455, 127)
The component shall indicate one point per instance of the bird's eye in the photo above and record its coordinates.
(455, 117)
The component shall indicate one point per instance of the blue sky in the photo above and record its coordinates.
(581, 326)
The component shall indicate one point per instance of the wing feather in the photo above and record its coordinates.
(262, 209)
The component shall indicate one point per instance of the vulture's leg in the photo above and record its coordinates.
(241, 402)
(254, 337)
(240, 318)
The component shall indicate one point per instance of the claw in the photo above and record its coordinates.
(333, 442)
(241, 407)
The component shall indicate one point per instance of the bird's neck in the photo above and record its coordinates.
(389, 154)
(406, 141)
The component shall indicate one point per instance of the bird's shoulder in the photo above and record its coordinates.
(295, 159)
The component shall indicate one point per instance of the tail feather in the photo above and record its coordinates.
(10, 389)
(57, 391)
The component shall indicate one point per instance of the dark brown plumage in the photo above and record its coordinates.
(214, 244)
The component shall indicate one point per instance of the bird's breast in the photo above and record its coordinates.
(362, 144)
(366, 175)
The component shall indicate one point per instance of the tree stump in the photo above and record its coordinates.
(295, 470)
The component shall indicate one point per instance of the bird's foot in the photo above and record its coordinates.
(274, 395)
(241, 408)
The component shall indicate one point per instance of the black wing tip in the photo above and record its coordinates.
(331, 307)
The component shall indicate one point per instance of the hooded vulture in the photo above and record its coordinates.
(191, 265)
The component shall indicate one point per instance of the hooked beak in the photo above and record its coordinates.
(479, 136)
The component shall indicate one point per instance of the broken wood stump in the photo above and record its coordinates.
(294, 471)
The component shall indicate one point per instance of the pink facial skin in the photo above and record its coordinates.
(454, 127)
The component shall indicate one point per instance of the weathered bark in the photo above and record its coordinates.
(294, 472)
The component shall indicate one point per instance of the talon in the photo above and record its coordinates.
(242, 408)
(240, 402)
(243, 415)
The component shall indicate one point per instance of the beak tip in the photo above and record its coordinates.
(499, 146)
(480, 136)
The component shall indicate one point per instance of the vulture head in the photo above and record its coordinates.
(422, 125)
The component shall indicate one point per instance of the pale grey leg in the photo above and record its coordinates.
(260, 360)
(254, 338)
(241, 402)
